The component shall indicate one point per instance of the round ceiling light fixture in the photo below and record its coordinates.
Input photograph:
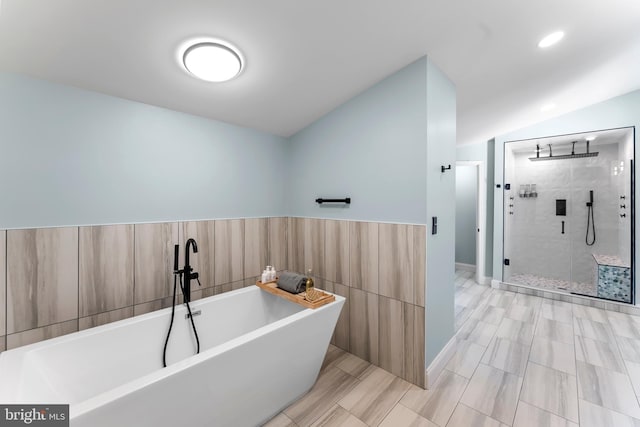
(551, 39)
(212, 61)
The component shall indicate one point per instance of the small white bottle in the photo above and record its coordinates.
(272, 273)
(265, 276)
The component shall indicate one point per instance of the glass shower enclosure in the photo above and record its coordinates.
(568, 209)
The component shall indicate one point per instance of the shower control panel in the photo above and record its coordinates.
(561, 207)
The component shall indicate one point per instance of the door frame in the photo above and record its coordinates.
(481, 216)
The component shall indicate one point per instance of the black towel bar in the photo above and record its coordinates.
(345, 200)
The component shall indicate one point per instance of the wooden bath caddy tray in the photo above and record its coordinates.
(272, 288)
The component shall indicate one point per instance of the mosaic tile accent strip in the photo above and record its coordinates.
(614, 283)
(554, 284)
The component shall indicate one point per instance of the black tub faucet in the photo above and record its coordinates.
(187, 270)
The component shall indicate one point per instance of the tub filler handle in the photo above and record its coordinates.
(193, 314)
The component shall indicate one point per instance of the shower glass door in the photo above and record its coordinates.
(567, 219)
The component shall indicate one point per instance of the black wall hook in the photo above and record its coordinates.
(443, 169)
(346, 200)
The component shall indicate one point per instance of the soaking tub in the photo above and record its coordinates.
(258, 354)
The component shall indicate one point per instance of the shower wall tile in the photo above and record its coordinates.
(314, 247)
(42, 277)
(396, 337)
(363, 256)
(203, 232)
(106, 268)
(104, 318)
(154, 248)
(40, 334)
(233, 286)
(337, 251)
(277, 248)
(203, 293)
(341, 333)
(295, 244)
(3, 284)
(418, 348)
(396, 261)
(363, 325)
(229, 251)
(2, 344)
(256, 246)
(419, 263)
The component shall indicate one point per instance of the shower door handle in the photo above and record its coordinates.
(562, 227)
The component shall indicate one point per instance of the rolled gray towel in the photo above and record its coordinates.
(292, 282)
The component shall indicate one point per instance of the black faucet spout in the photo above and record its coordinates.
(188, 275)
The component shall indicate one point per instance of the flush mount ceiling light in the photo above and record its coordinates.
(590, 137)
(212, 61)
(551, 39)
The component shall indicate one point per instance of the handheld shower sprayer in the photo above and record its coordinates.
(590, 221)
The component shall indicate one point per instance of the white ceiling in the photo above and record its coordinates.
(304, 58)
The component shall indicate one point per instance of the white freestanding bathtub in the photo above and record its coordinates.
(258, 354)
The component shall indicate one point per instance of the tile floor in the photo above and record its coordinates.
(521, 361)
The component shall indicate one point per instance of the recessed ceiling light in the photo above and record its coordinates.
(590, 137)
(551, 39)
(212, 61)
(548, 107)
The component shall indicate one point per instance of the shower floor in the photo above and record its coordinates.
(554, 284)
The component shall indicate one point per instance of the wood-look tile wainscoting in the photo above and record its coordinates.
(61, 280)
(380, 269)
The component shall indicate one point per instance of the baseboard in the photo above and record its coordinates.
(438, 364)
(495, 283)
(486, 281)
(465, 267)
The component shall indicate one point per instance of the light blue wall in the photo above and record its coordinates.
(483, 151)
(372, 149)
(74, 157)
(466, 210)
(441, 150)
(622, 111)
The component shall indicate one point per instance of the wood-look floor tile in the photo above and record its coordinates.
(352, 365)
(203, 232)
(596, 416)
(594, 330)
(630, 348)
(598, 353)
(403, 416)
(104, 318)
(229, 251)
(554, 312)
(507, 355)
(332, 385)
(40, 334)
(42, 277)
(336, 251)
(477, 331)
(633, 369)
(554, 330)
(607, 388)
(553, 354)
(528, 300)
(374, 396)
(625, 327)
(466, 358)
(338, 417)
(363, 256)
(531, 416)
(489, 314)
(589, 313)
(494, 393)
(501, 299)
(438, 403)
(521, 313)
(514, 330)
(280, 420)
(363, 325)
(551, 390)
(464, 416)
(332, 357)
(256, 246)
